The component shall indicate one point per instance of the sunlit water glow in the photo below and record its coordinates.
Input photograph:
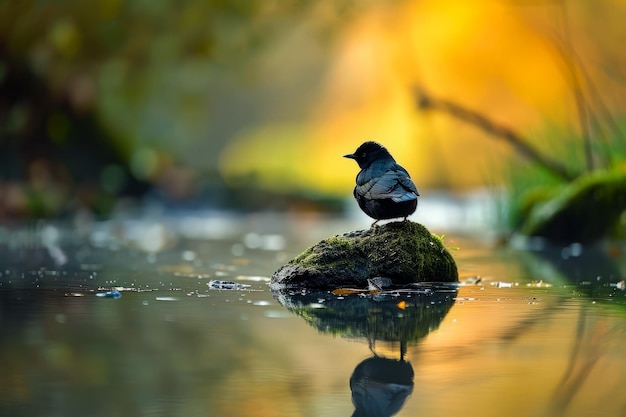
(127, 318)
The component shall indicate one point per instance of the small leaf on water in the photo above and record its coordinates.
(346, 291)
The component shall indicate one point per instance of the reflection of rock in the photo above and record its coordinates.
(405, 251)
(590, 267)
(380, 386)
(403, 317)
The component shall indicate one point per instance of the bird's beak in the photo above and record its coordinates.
(350, 155)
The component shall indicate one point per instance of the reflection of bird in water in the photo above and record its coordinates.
(384, 189)
(380, 386)
(372, 342)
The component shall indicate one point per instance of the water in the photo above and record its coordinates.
(523, 334)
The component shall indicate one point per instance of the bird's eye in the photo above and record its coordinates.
(364, 154)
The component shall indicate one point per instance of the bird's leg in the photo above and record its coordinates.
(402, 349)
(374, 224)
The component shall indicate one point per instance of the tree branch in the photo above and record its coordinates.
(427, 102)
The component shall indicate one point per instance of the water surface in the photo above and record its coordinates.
(523, 334)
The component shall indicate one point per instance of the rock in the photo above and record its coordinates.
(405, 252)
(585, 210)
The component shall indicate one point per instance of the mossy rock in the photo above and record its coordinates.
(406, 252)
(586, 210)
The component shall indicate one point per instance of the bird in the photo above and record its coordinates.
(384, 189)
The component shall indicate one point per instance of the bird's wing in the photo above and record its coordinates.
(394, 183)
(405, 179)
(405, 182)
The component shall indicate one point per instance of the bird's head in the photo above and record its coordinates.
(367, 153)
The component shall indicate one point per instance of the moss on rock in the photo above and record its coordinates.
(406, 252)
(585, 210)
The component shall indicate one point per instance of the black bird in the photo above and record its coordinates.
(384, 189)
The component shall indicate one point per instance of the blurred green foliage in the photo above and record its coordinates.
(530, 186)
(114, 97)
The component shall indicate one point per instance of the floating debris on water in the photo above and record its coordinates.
(120, 289)
(226, 285)
(222, 285)
(109, 294)
(378, 283)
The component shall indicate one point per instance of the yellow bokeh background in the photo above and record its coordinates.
(499, 58)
